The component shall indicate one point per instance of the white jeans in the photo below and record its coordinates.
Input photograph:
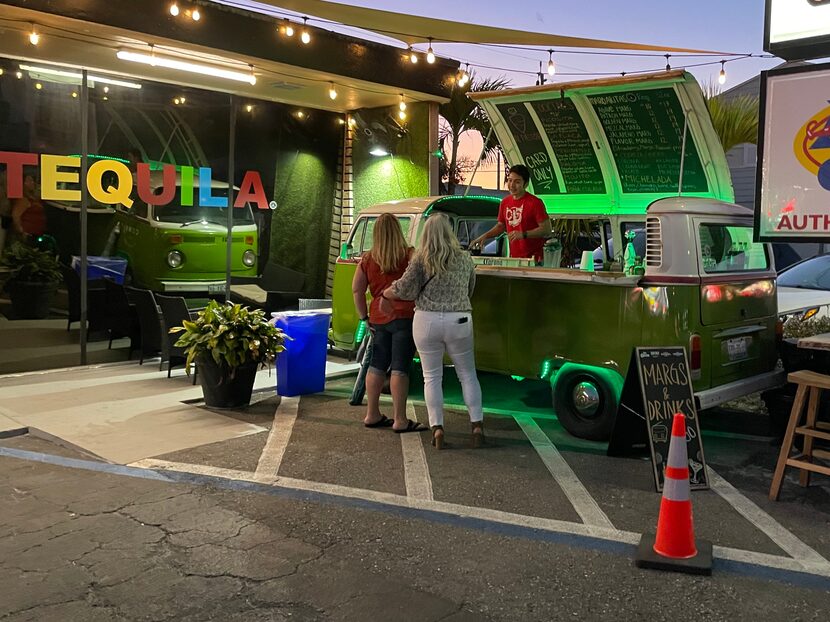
(437, 332)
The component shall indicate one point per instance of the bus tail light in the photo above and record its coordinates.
(249, 240)
(695, 356)
(175, 239)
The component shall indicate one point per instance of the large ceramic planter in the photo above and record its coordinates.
(223, 389)
(31, 301)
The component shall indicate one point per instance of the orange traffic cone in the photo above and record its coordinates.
(674, 546)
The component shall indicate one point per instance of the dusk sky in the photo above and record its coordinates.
(719, 25)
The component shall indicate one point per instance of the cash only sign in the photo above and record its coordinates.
(60, 179)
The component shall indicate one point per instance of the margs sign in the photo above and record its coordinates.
(60, 179)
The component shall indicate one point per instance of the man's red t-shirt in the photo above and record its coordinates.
(523, 214)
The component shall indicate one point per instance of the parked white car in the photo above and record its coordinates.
(805, 286)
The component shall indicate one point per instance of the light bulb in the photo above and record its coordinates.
(402, 114)
(38, 86)
(430, 53)
(106, 89)
(289, 29)
(176, 100)
(174, 9)
(195, 15)
(74, 94)
(34, 38)
(413, 58)
(19, 74)
(551, 65)
(300, 114)
(332, 91)
(249, 108)
(181, 99)
(722, 74)
(305, 36)
(105, 98)
(1, 71)
(402, 103)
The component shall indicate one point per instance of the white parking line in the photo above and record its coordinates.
(485, 514)
(415, 469)
(784, 539)
(582, 501)
(271, 457)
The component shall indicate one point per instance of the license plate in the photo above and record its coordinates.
(216, 288)
(738, 348)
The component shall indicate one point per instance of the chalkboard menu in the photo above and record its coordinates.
(657, 386)
(530, 144)
(645, 132)
(571, 146)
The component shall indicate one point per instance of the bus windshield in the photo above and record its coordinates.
(175, 212)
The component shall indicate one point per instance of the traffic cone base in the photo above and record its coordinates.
(700, 564)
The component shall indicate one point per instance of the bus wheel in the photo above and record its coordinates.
(584, 404)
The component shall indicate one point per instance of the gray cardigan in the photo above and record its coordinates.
(449, 291)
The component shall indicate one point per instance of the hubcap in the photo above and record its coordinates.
(586, 399)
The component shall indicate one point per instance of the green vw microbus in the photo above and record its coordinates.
(639, 158)
(176, 248)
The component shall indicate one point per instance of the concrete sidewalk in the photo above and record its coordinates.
(123, 412)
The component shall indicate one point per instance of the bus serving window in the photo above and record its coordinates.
(362, 236)
(469, 230)
(726, 248)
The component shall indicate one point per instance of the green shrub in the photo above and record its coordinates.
(30, 265)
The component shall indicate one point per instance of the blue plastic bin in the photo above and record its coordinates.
(112, 268)
(301, 368)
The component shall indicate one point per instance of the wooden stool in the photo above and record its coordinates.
(815, 382)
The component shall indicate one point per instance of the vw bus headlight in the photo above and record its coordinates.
(249, 258)
(175, 259)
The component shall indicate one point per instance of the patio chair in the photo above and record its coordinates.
(149, 321)
(95, 295)
(120, 317)
(174, 312)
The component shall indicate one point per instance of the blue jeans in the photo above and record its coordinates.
(392, 347)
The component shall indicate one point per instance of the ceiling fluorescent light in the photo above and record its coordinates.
(181, 65)
(48, 71)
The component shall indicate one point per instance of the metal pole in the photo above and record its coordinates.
(480, 155)
(229, 246)
(84, 205)
(682, 154)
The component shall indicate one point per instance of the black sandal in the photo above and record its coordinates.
(411, 426)
(383, 422)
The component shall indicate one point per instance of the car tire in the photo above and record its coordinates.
(584, 404)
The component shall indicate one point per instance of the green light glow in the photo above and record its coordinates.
(362, 326)
(518, 378)
(547, 366)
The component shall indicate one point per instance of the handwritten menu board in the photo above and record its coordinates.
(645, 131)
(530, 144)
(658, 385)
(571, 146)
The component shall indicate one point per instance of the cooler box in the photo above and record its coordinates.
(301, 368)
(112, 268)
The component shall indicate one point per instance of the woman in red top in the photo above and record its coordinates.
(392, 344)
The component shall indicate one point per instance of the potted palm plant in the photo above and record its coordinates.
(229, 343)
(33, 278)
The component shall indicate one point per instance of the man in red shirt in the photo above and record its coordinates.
(523, 216)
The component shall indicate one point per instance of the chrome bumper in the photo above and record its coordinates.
(739, 388)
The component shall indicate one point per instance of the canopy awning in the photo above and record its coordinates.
(413, 29)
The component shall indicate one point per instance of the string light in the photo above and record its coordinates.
(465, 76)
(300, 114)
(106, 89)
(34, 38)
(74, 94)
(38, 85)
(332, 91)
(1, 71)
(288, 28)
(722, 74)
(305, 37)
(249, 108)
(18, 74)
(430, 53)
(174, 9)
(413, 58)
(195, 15)
(551, 66)
(402, 115)
(402, 104)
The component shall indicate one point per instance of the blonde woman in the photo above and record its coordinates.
(440, 279)
(392, 345)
